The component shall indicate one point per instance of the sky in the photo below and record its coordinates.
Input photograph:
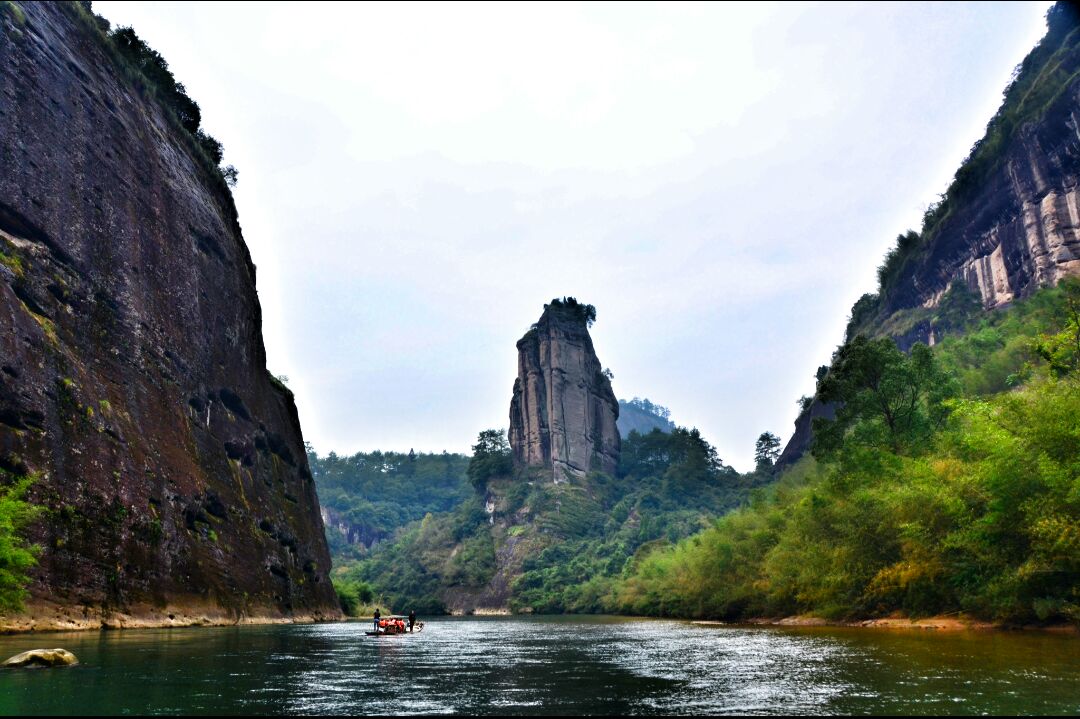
(720, 181)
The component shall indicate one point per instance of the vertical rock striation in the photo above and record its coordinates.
(169, 462)
(563, 413)
(1012, 223)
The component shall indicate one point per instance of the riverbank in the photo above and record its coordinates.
(946, 623)
(49, 617)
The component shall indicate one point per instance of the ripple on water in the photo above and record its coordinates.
(549, 665)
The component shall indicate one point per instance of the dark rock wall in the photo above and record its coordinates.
(134, 382)
(1020, 230)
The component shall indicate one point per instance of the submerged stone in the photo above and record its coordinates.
(42, 658)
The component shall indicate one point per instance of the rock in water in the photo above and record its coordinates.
(42, 658)
(563, 414)
(134, 381)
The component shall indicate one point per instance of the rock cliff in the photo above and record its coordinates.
(563, 414)
(169, 463)
(1010, 222)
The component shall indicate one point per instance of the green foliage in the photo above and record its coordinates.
(766, 451)
(887, 399)
(643, 416)
(1003, 348)
(151, 74)
(895, 260)
(16, 555)
(155, 69)
(491, 458)
(576, 537)
(12, 10)
(669, 486)
(961, 505)
(353, 595)
(863, 312)
(1061, 350)
(569, 305)
(375, 493)
(421, 562)
(648, 407)
(14, 263)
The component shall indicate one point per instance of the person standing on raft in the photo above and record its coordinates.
(412, 618)
(378, 615)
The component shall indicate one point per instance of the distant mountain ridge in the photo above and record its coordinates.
(641, 415)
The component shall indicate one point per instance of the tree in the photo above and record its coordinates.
(491, 457)
(16, 555)
(887, 400)
(1062, 350)
(766, 451)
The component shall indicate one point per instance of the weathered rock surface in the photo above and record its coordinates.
(1020, 229)
(563, 414)
(42, 658)
(134, 385)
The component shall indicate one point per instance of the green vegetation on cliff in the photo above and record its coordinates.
(1040, 79)
(150, 72)
(929, 494)
(16, 555)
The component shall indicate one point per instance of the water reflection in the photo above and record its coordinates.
(559, 665)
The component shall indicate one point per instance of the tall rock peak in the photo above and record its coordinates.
(563, 414)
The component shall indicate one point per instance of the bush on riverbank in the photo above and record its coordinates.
(980, 515)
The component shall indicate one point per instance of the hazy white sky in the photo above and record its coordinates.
(721, 181)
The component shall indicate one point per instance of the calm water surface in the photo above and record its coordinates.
(557, 665)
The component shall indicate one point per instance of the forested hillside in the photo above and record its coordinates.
(949, 482)
(578, 538)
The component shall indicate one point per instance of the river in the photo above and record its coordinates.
(547, 665)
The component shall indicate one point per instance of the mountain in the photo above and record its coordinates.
(555, 514)
(168, 463)
(642, 416)
(1008, 225)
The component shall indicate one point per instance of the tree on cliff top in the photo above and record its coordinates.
(153, 73)
(586, 313)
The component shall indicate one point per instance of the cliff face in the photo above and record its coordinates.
(563, 413)
(1022, 230)
(170, 464)
(1013, 219)
(803, 437)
